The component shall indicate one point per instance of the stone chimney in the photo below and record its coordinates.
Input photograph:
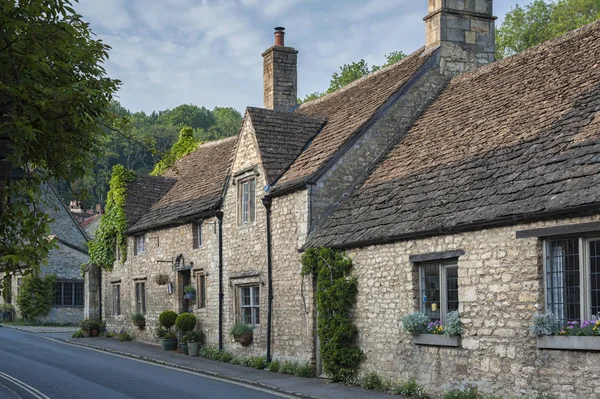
(464, 31)
(280, 76)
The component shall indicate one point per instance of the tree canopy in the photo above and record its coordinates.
(54, 92)
(539, 21)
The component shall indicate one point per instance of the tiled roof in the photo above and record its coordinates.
(347, 110)
(142, 193)
(516, 139)
(281, 137)
(200, 179)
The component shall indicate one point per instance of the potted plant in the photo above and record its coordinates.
(185, 323)
(574, 335)
(184, 343)
(138, 320)
(428, 332)
(195, 338)
(242, 333)
(168, 339)
(6, 311)
(94, 327)
(86, 327)
(189, 292)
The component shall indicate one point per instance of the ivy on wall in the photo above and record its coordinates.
(336, 295)
(36, 296)
(184, 146)
(113, 224)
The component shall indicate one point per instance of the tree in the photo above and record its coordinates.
(539, 21)
(53, 94)
(228, 120)
(187, 115)
(184, 146)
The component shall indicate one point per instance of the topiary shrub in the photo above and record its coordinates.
(185, 322)
(36, 296)
(167, 319)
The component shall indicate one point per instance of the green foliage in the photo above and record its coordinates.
(274, 366)
(453, 325)
(528, 26)
(77, 334)
(225, 357)
(167, 319)
(53, 94)
(36, 296)
(138, 316)
(169, 335)
(187, 115)
(415, 323)
(184, 146)
(288, 368)
(185, 322)
(189, 289)
(196, 336)
(374, 382)
(305, 370)
(241, 328)
(258, 362)
(161, 331)
(113, 223)
(336, 295)
(109, 334)
(411, 388)
(6, 307)
(125, 336)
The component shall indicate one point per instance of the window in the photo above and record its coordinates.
(438, 289)
(572, 278)
(140, 244)
(201, 290)
(116, 295)
(68, 293)
(197, 234)
(247, 201)
(140, 297)
(250, 305)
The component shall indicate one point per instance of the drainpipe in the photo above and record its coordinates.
(267, 204)
(219, 215)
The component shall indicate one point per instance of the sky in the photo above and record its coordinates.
(208, 52)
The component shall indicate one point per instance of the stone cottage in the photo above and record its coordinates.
(64, 262)
(452, 181)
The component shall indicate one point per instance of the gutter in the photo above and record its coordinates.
(219, 215)
(267, 204)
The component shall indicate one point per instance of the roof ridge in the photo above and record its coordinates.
(316, 118)
(359, 81)
(548, 44)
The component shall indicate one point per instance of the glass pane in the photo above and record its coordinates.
(255, 296)
(143, 290)
(252, 200)
(563, 280)
(58, 294)
(594, 247)
(256, 311)
(247, 315)
(245, 294)
(199, 234)
(68, 294)
(202, 291)
(430, 291)
(78, 294)
(452, 288)
(245, 202)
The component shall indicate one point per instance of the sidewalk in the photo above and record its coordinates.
(301, 387)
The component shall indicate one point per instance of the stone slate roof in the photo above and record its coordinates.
(142, 193)
(347, 110)
(281, 137)
(200, 178)
(517, 139)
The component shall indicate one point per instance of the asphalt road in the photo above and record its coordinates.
(32, 366)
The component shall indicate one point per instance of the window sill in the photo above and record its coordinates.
(436, 340)
(569, 343)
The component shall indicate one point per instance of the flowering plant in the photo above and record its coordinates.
(547, 324)
(419, 323)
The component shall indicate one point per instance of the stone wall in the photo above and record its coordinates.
(350, 169)
(500, 287)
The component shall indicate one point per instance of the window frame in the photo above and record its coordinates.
(197, 234)
(140, 300)
(61, 284)
(585, 280)
(116, 288)
(252, 306)
(200, 290)
(140, 238)
(247, 217)
(443, 267)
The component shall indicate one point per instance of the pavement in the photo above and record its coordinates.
(313, 388)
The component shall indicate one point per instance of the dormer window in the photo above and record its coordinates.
(140, 244)
(246, 201)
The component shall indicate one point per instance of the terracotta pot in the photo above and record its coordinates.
(244, 338)
(86, 333)
(94, 333)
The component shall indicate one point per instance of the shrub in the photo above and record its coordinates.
(275, 365)
(169, 335)
(161, 331)
(95, 324)
(373, 381)
(36, 296)
(241, 328)
(85, 324)
(185, 322)
(125, 336)
(453, 326)
(167, 319)
(415, 323)
(138, 316)
(288, 368)
(109, 334)
(189, 289)
(258, 362)
(184, 339)
(209, 352)
(225, 356)
(544, 324)
(6, 307)
(305, 370)
(77, 334)
(412, 389)
(196, 336)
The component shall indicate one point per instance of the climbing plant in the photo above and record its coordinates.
(36, 296)
(184, 146)
(336, 295)
(113, 223)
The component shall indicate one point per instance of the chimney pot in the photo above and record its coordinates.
(279, 36)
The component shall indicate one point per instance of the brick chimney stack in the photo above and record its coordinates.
(464, 31)
(280, 74)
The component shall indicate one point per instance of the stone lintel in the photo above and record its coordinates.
(430, 256)
(555, 231)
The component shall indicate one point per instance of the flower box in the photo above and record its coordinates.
(436, 340)
(579, 343)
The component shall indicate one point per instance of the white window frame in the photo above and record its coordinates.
(246, 201)
(253, 306)
(585, 288)
(141, 239)
(140, 296)
(443, 285)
